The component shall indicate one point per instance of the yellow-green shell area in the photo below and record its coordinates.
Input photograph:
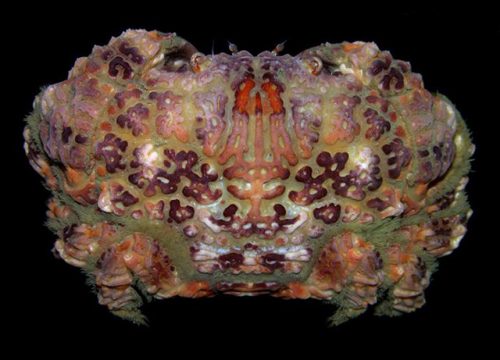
(332, 174)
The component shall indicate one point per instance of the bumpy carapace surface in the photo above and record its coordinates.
(332, 174)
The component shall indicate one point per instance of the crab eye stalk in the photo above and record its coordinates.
(196, 61)
(315, 65)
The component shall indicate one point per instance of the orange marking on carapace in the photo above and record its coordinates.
(73, 176)
(412, 206)
(280, 242)
(106, 126)
(400, 131)
(272, 92)
(421, 189)
(254, 110)
(111, 110)
(107, 89)
(243, 94)
(154, 35)
(181, 133)
(348, 47)
(101, 171)
(259, 130)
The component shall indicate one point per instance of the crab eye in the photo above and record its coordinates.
(196, 60)
(175, 63)
(315, 65)
(179, 60)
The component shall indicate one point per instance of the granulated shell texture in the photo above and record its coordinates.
(332, 174)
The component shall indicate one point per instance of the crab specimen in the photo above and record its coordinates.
(331, 175)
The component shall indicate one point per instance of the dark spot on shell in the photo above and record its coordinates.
(273, 261)
(118, 63)
(66, 133)
(231, 260)
(329, 214)
(80, 139)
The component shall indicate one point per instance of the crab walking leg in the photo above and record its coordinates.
(349, 272)
(122, 265)
(355, 269)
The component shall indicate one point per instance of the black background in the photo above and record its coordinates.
(50, 306)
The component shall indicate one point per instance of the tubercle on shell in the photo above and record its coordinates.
(332, 174)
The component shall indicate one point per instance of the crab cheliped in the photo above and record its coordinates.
(331, 175)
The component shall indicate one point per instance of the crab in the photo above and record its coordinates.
(333, 174)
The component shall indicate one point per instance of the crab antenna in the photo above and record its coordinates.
(278, 48)
(232, 47)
